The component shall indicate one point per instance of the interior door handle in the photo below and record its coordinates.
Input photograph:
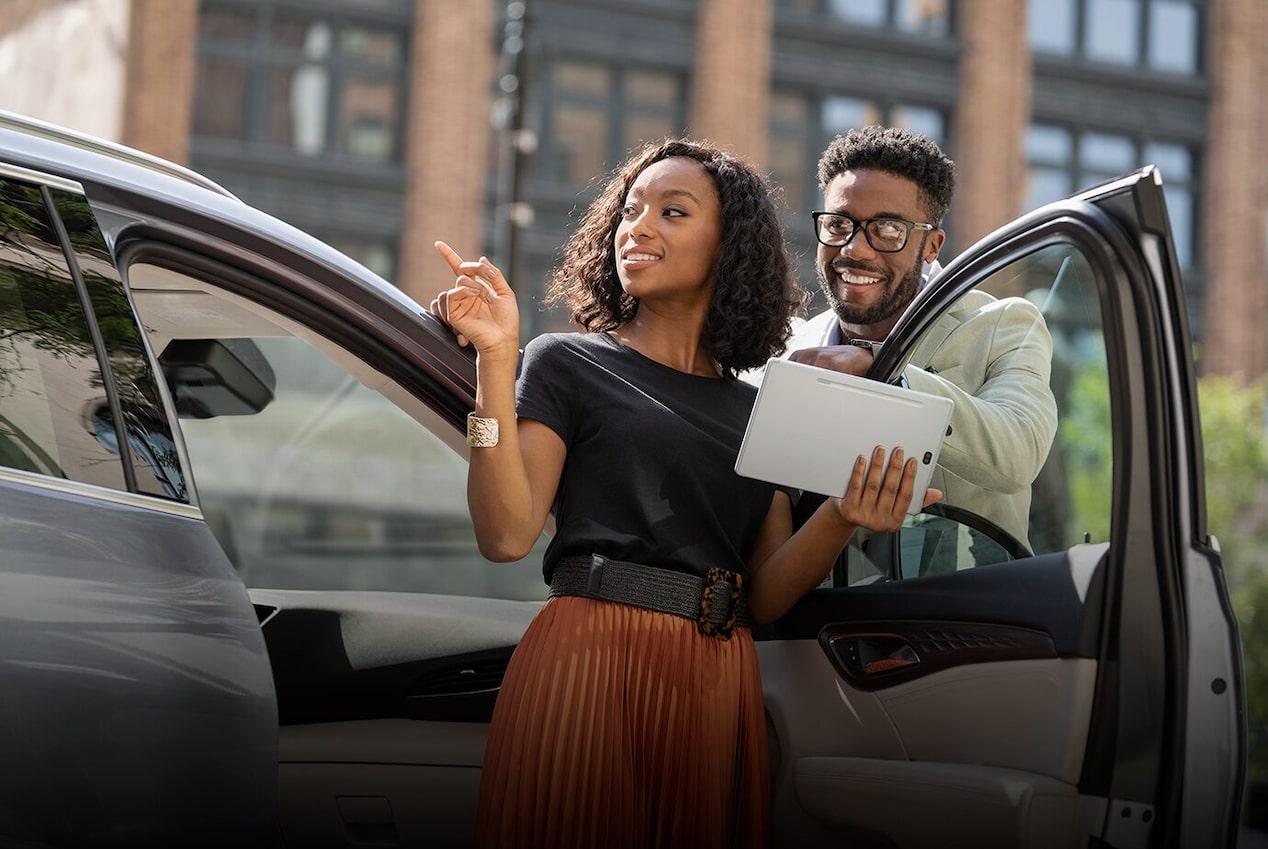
(874, 654)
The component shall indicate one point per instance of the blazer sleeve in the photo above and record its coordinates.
(1005, 417)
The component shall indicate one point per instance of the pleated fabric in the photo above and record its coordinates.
(623, 728)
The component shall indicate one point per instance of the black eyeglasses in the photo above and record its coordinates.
(887, 235)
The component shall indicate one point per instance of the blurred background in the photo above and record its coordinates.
(380, 126)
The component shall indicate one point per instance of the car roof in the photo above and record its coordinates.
(93, 164)
(34, 128)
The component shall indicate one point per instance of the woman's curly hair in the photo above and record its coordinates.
(756, 292)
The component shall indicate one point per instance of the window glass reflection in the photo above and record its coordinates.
(368, 119)
(1048, 144)
(839, 114)
(1110, 154)
(582, 78)
(321, 87)
(1045, 185)
(1055, 173)
(651, 88)
(228, 25)
(220, 93)
(1180, 209)
(1173, 36)
(926, 17)
(1173, 160)
(578, 143)
(869, 12)
(789, 165)
(1111, 31)
(1158, 34)
(51, 383)
(919, 119)
(156, 465)
(640, 129)
(331, 486)
(1050, 25)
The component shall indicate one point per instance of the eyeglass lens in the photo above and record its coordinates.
(883, 234)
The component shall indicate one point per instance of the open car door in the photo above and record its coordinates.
(1083, 687)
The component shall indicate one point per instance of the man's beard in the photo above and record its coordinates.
(890, 304)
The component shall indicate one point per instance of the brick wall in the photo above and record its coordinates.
(447, 140)
(1234, 230)
(990, 117)
(159, 90)
(731, 80)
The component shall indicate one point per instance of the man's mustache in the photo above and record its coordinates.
(842, 266)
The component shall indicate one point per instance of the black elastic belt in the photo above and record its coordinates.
(717, 603)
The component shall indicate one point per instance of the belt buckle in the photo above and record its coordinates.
(723, 577)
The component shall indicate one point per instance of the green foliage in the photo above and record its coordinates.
(1085, 446)
(1235, 440)
(1236, 452)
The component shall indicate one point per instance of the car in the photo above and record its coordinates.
(242, 603)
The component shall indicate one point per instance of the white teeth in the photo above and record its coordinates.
(858, 279)
(639, 257)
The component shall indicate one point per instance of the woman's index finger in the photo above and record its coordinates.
(450, 256)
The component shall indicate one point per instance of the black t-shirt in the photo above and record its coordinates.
(649, 475)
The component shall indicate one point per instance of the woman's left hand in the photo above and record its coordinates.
(880, 492)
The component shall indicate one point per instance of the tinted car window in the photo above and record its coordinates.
(152, 449)
(51, 384)
(1070, 498)
(332, 486)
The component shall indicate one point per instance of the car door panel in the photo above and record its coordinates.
(384, 701)
(92, 701)
(349, 476)
(1055, 680)
(137, 704)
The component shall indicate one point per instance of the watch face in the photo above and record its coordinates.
(874, 347)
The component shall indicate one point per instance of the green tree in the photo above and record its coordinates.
(1235, 437)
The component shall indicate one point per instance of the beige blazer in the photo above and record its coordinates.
(993, 358)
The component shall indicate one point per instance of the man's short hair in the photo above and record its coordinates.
(896, 151)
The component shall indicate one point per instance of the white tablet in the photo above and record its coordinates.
(809, 424)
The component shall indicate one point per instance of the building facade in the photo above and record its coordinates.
(383, 125)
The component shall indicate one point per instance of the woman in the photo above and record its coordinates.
(631, 713)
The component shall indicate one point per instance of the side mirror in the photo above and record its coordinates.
(217, 377)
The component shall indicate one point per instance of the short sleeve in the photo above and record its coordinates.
(546, 388)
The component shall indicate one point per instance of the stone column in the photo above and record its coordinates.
(730, 96)
(1234, 223)
(447, 139)
(990, 118)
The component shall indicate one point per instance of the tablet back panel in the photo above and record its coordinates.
(809, 423)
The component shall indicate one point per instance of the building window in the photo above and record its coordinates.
(919, 17)
(595, 114)
(1161, 35)
(1063, 161)
(320, 85)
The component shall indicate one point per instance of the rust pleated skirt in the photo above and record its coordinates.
(620, 727)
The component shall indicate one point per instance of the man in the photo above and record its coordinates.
(885, 193)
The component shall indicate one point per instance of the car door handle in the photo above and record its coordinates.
(874, 654)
